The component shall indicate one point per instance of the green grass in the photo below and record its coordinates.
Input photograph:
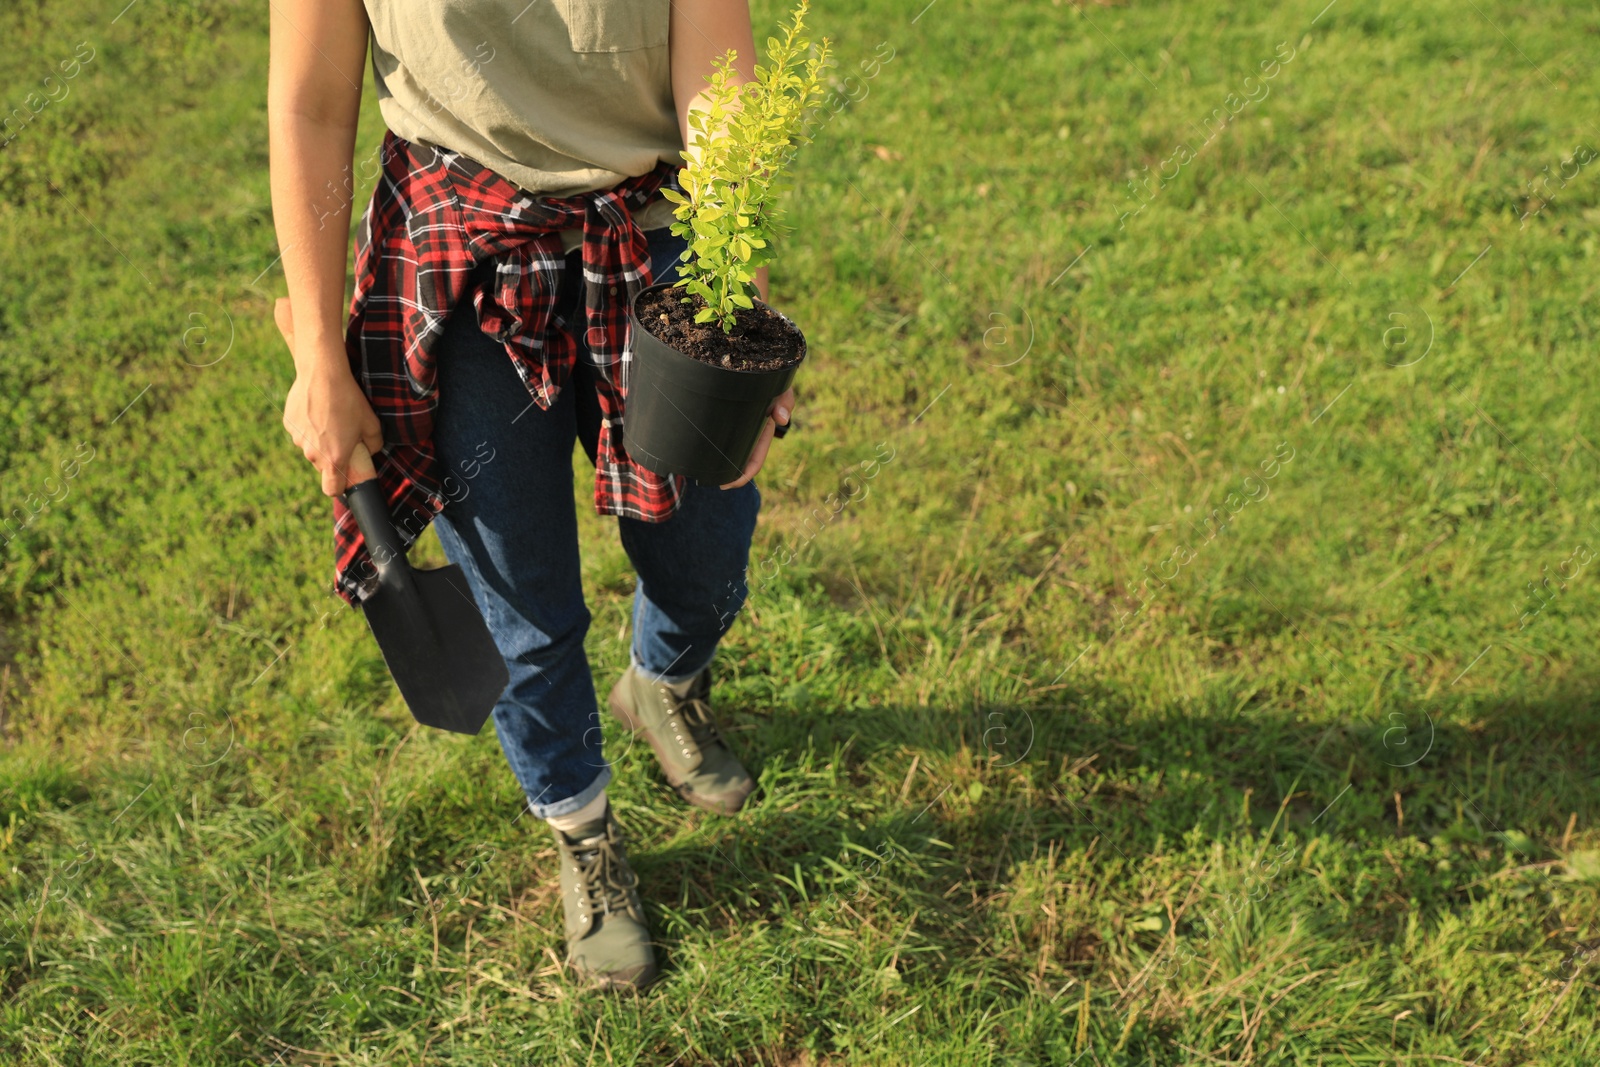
(1321, 799)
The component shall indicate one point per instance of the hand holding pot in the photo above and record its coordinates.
(326, 414)
(778, 416)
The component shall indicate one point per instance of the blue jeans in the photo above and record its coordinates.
(514, 532)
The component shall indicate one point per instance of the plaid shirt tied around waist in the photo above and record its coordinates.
(434, 217)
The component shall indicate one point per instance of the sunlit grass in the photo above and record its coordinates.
(1082, 737)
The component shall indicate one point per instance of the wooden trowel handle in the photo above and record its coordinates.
(361, 468)
(365, 501)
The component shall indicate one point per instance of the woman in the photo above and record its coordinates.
(517, 211)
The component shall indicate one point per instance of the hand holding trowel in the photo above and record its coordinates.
(433, 638)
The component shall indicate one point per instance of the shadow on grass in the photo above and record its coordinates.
(935, 811)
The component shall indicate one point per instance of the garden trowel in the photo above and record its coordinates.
(433, 639)
(430, 631)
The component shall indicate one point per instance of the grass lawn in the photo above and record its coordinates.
(1199, 677)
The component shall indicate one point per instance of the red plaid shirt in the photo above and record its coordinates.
(434, 216)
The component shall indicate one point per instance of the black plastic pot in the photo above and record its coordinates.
(691, 418)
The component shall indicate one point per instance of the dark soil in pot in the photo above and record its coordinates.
(761, 338)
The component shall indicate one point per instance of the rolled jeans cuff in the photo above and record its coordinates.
(668, 679)
(571, 804)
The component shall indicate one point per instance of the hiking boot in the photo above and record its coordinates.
(608, 943)
(676, 720)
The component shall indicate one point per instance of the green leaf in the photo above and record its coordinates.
(1516, 841)
(1582, 865)
(705, 315)
(741, 300)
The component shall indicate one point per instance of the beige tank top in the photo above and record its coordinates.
(559, 97)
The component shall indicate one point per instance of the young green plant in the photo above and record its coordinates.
(741, 145)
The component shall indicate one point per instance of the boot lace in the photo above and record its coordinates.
(605, 881)
(696, 715)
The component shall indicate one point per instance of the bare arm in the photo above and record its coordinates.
(318, 51)
(701, 31)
